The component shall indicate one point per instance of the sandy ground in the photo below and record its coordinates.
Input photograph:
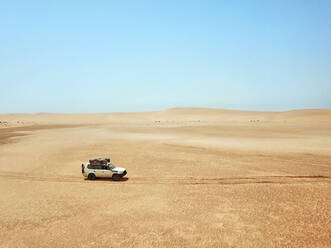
(196, 178)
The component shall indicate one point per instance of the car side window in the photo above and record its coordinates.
(95, 167)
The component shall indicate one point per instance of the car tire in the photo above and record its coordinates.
(91, 176)
(116, 177)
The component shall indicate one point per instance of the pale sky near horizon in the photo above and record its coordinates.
(110, 56)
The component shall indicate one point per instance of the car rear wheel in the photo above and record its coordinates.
(91, 176)
(116, 177)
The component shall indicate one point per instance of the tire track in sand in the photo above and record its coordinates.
(291, 179)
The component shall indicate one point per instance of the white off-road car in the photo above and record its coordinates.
(102, 167)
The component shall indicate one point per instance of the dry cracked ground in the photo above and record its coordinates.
(196, 178)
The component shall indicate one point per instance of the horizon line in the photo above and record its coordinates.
(167, 109)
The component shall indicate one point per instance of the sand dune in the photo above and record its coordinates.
(170, 115)
(196, 178)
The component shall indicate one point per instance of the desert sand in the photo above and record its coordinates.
(196, 178)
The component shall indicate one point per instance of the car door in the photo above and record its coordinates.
(98, 171)
(104, 171)
(107, 172)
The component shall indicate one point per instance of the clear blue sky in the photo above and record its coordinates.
(107, 56)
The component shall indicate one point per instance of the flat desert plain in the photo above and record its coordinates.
(196, 178)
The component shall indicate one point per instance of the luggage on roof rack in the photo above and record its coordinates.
(99, 161)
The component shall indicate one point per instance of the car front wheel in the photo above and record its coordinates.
(116, 177)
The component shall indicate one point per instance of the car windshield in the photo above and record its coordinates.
(111, 166)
